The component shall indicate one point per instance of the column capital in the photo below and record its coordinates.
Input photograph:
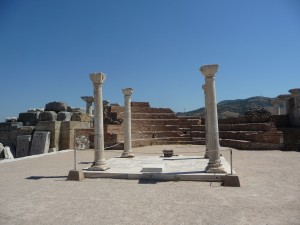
(127, 91)
(87, 98)
(203, 87)
(209, 71)
(295, 91)
(97, 78)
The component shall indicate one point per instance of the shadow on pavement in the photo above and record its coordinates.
(44, 177)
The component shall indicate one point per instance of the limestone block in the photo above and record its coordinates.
(75, 175)
(48, 116)
(56, 107)
(7, 153)
(40, 143)
(64, 116)
(82, 117)
(48, 126)
(23, 145)
(10, 126)
(1, 150)
(72, 125)
(11, 119)
(25, 130)
(29, 118)
(8, 133)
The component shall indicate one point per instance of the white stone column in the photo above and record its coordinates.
(127, 123)
(89, 104)
(206, 136)
(214, 165)
(99, 159)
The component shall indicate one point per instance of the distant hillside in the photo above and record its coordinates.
(233, 108)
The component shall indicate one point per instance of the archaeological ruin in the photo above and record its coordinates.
(136, 124)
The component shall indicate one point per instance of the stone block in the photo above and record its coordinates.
(75, 175)
(72, 125)
(10, 126)
(48, 126)
(81, 117)
(64, 116)
(232, 181)
(40, 143)
(7, 153)
(1, 150)
(56, 107)
(29, 118)
(11, 119)
(25, 130)
(23, 145)
(48, 116)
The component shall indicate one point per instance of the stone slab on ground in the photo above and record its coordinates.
(188, 168)
(23, 145)
(40, 143)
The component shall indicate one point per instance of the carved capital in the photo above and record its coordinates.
(88, 98)
(97, 78)
(209, 71)
(127, 91)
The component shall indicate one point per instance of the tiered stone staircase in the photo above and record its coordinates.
(248, 136)
(153, 126)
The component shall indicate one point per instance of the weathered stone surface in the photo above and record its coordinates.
(23, 145)
(48, 116)
(1, 150)
(29, 118)
(75, 175)
(56, 106)
(25, 130)
(64, 116)
(35, 110)
(11, 119)
(82, 117)
(8, 133)
(7, 153)
(54, 128)
(40, 143)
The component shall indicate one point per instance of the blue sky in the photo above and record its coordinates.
(48, 49)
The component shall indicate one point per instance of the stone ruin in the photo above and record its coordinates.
(150, 126)
(58, 125)
(39, 131)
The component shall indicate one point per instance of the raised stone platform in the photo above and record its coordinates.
(185, 168)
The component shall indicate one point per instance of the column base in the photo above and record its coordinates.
(127, 155)
(96, 167)
(214, 168)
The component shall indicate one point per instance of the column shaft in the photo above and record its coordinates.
(214, 165)
(127, 123)
(99, 159)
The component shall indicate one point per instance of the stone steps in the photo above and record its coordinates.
(248, 145)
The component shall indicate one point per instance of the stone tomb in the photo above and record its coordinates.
(23, 145)
(40, 143)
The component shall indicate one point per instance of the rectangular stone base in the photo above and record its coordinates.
(185, 168)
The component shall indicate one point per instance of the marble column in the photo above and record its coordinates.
(99, 159)
(89, 104)
(214, 165)
(127, 123)
(206, 136)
